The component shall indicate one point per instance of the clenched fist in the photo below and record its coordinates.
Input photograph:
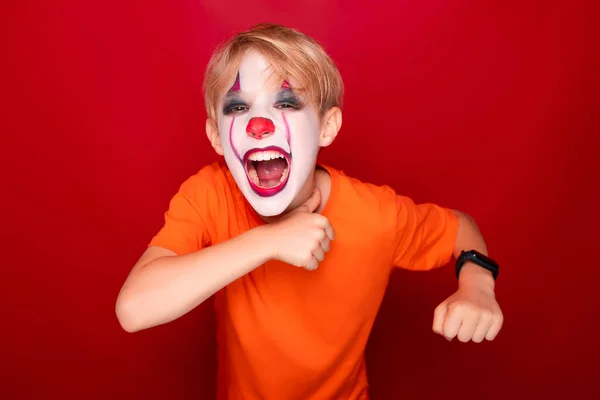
(469, 314)
(302, 237)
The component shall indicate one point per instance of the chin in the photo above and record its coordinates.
(270, 206)
(267, 180)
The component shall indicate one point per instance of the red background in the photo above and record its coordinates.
(489, 108)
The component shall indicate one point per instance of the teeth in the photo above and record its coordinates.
(265, 155)
(254, 176)
(283, 175)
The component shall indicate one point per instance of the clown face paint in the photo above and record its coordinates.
(270, 137)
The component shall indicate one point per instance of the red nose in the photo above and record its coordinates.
(259, 127)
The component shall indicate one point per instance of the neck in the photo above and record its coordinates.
(317, 179)
(306, 191)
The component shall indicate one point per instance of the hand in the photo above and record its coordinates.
(471, 313)
(302, 237)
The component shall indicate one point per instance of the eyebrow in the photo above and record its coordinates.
(287, 93)
(232, 98)
(232, 95)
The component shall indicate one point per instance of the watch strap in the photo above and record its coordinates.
(479, 259)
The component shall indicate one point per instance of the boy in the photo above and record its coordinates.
(297, 254)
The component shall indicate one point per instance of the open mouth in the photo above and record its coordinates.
(267, 169)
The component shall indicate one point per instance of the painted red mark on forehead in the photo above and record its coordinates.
(285, 85)
(236, 85)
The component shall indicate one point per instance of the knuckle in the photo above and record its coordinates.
(320, 234)
(321, 220)
(487, 315)
(470, 309)
(457, 307)
(499, 319)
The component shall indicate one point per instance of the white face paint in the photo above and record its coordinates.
(270, 138)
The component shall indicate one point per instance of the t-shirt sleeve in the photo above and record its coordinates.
(186, 222)
(425, 235)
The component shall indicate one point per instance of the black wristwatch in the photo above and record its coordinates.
(479, 259)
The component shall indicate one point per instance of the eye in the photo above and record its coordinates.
(284, 105)
(235, 109)
(288, 104)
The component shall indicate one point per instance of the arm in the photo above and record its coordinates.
(472, 313)
(163, 286)
(427, 236)
(469, 238)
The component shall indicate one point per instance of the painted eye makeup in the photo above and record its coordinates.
(234, 106)
(287, 99)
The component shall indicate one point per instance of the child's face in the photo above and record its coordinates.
(270, 137)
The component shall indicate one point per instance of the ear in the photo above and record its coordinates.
(330, 126)
(212, 132)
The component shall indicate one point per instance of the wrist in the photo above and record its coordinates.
(262, 239)
(473, 275)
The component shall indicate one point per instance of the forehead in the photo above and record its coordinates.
(255, 73)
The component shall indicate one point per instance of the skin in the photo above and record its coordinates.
(163, 286)
(295, 127)
(472, 313)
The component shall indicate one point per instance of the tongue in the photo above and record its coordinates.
(271, 169)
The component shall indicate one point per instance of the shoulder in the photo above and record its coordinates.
(207, 176)
(362, 201)
(210, 184)
(382, 200)
(359, 191)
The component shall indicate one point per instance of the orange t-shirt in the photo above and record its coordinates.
(288, 333)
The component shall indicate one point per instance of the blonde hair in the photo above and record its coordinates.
(293, 56)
